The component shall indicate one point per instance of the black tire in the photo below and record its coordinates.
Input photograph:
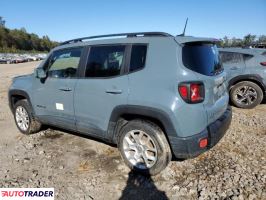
(164, 154)
(34, 125)
(253, 87)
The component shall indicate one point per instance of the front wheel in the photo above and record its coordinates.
(24, 118)
(246, 95)
(144, 147)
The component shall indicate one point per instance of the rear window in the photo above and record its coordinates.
(202, 58)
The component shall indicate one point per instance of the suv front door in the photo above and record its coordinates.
(53, 96)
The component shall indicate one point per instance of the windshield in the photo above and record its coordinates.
(202, 58)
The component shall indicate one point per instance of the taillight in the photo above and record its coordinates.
(192, 92)
(263, 63)
(183, 90)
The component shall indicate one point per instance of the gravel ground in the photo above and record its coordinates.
(79, 167)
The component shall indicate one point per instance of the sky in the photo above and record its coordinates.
(66, 19)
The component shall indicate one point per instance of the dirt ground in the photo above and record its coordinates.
(79, 167)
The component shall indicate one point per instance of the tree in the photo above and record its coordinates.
(225, 42)
(2, 22)
(236, 42)
(249, 40)
(262, 38)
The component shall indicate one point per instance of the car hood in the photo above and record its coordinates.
(23, 76)
(22, 79)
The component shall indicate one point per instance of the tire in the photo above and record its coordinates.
(246, 95)
(21, 107)
(157, 143)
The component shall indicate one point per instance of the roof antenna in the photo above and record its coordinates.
(183, 34)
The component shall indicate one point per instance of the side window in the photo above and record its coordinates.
(64, 63)
(247, 56)
(105, 61)
(231, 58)
(138, 57)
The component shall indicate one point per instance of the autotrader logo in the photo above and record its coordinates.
(27, 193)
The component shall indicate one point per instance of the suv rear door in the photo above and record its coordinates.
(233, 63)
(103, 87)
(53, 96)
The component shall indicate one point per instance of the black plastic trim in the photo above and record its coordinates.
(143, 34)
(188, 147)
(20, 93)
(144, 111)
(246, 77)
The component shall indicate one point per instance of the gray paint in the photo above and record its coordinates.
(88, 108)
(247, 67)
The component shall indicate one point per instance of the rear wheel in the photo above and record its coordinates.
(246, 94)
(24, 118)
(144, 147)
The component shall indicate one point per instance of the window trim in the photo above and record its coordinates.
(63, 49)
(124, 63)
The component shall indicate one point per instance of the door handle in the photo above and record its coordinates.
(234, 68)
(65, 89)
(114, 91)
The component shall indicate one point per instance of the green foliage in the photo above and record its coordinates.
(15, 41)
(248, 40)
(2, 22)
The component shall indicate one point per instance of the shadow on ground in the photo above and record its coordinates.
(141, 187)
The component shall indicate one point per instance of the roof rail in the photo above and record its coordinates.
(117, 35)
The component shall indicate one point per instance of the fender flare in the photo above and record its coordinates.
(144, 111)
(20, 93)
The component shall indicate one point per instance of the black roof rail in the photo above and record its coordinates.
(117, 35)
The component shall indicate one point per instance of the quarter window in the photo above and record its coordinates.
(64, 63)
(105, 61)
(138, 57)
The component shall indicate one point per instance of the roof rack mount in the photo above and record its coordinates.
(118, 35)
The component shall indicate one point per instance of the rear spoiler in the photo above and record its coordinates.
(188, 39)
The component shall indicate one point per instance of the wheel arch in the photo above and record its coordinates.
(129, 112)
(251, 77)
(16, 95)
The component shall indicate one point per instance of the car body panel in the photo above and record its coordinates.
(250, 69)
(58, 109)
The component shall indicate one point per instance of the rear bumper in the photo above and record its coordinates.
(188, 147)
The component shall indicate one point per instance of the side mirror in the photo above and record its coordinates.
(39, 73)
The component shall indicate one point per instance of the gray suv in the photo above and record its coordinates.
(152, 94)
(246, 72)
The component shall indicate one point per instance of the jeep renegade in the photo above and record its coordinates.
(152, 94)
